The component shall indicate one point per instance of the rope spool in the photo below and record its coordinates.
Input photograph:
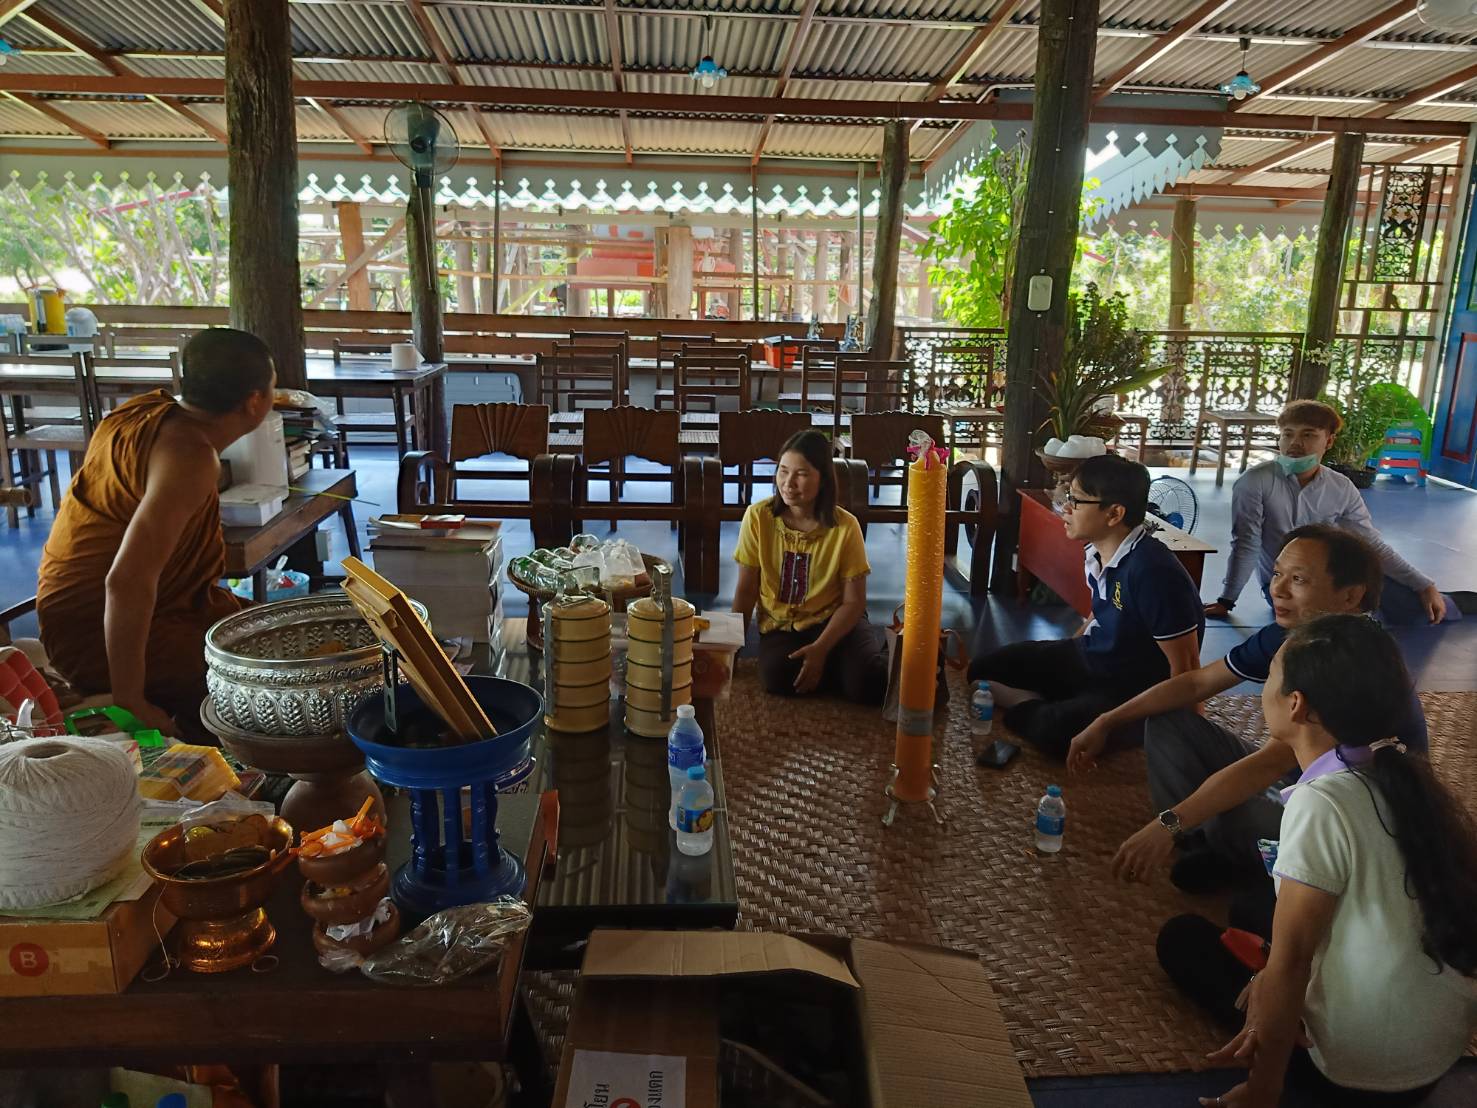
(69, 818)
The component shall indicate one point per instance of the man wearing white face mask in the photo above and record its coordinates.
(1297, 489)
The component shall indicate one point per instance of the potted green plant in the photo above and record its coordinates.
(1103, 358)
(1368, 414)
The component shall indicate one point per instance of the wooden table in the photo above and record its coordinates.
(1049, 556)
(363, 378)
(250, 550)
(298, 1012)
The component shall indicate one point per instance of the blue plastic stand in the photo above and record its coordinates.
(455, 859)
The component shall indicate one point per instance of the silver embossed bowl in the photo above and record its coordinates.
(293, 667)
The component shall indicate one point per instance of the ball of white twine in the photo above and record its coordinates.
(69, 818)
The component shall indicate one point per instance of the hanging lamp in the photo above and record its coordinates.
(1241, 86)
(708, 72)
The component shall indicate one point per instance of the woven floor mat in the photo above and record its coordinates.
(1069, 950)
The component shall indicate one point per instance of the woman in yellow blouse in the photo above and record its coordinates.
(803, 563)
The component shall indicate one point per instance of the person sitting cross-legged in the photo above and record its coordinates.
(1146, 620)
(1367, 995)
(1215, 791)
(1296, 488)
(803, 565)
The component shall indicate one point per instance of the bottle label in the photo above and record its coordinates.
(682, 757)
(1050, 825)
(694, 821)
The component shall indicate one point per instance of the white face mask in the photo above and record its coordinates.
(1294, 466)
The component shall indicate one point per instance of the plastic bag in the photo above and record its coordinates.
(447, 947)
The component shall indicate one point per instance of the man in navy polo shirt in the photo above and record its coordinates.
(1146, 626)
(1202, 777)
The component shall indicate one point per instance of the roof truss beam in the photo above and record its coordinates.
(799, 32)
(1358, 35)
(341, 121)
(1196, 18)
(9, 9)
(617, 77)
(48, 109)
(437, 44)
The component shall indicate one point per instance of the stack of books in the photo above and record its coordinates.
(300, 429)
(454, 570)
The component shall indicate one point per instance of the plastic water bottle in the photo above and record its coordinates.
(981, 712)
(695, 814)
(1051, 820)
(684, 750)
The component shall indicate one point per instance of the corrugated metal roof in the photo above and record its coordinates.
(368, 27)
(691, 136)
(887, 51)
(213, 68)
(26, 62)
(798, 140)
(17, 119)
(496, 76)
(377, 72)
(129, 120)
(134, 24)
(854, 90)
(682, 84)
(534, 131)
(523, 33)
(741, 45)
(1009, 56)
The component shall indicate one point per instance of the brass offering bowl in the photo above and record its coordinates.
(222, 924)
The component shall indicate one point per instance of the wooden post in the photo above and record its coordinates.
(486, 283)
(679, 271)
(266, 291)
(1047, 242)
(784, 266)
(495, 305)
(351, 236)
(425, 281)
(466, 289)
(861, 243)
(882, 314)
(1181, 296)
(754, 236)
(1311, 376)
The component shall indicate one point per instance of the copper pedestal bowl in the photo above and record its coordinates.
(328, 770)
(223, 925)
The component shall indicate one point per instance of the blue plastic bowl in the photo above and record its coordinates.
(514, 708)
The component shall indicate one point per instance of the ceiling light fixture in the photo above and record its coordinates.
(1241, 86)
(6, 50)
(708, 72)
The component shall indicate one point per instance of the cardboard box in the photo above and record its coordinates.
(41, 957)
(645, 1024)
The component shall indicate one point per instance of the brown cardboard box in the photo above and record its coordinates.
(42, 957)
(644, 1029)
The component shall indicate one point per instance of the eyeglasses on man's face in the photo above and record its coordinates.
(1074, 501)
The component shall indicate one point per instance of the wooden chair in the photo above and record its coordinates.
(612, 435)
(1246, 422)
(755, 436)
(867, 384)
(375, 353)
(34, 439)
(152, 374)
(816, 377)
(668, 346)
(605, 342)
(477, 430)
(571, 376)
(706, 374)
(880, 440)
(1231, 363)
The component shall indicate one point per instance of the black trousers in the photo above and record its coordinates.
(1072, 695)
(856, 668)
(1191, 952)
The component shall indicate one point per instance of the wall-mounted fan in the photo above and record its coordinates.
(1458, 16)
(426, 144)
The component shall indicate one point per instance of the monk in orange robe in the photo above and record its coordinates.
(129, 579)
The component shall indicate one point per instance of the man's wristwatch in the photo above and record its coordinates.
(1171, 823)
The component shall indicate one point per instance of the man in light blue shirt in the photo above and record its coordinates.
(1297, 489)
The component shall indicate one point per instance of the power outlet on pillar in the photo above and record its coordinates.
(1038, 293)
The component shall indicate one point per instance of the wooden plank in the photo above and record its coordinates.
(679, 104)
(1192, 21)
(266, 291)
(1357, 35)
(356, 266)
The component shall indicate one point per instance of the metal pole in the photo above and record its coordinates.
(754, 232)
(497, 237)
(861, 245)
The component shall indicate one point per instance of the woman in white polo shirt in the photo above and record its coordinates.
(1368, 996)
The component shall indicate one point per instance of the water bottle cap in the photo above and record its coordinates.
(1053, 790)
(982, 685)
(686, 711)
(696, 773)
(172, 1100)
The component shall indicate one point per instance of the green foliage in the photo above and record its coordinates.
(1104, 356)
(972, 245)
(1368, 416)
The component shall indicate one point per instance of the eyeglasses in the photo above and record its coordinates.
(1075, 502)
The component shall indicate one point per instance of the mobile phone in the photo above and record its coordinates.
(998, 754)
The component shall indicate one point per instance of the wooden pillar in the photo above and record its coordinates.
(925, 292)
(882, 314)
(351, 236)
(679, 272)
(466, 289)
(754, 243)
(845, 289)
(486, 285)
(425, 280)
(784, 267)
(261, 158)
(1181, 296)
(1311, 376)
(1046, 246)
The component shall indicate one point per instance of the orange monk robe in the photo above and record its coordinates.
(72, 586)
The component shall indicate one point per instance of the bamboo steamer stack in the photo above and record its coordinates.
(576, 663)
(658, 658)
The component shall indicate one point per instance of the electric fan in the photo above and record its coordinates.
(423, 141)
(1174, 501)
(1449, 15)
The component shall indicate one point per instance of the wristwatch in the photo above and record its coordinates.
(1171, 823)
(1226, 604)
